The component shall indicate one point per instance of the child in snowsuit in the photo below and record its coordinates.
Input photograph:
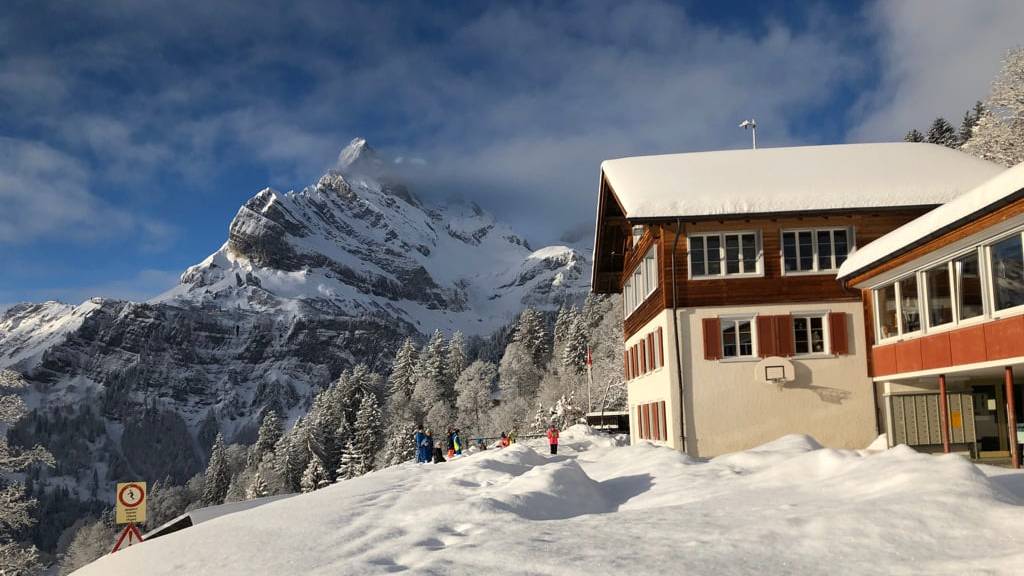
(457, 442)
(504, 442)
(434, 449)
(553, 439)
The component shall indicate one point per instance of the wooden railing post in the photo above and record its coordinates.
(944, 413)
(1011, 417)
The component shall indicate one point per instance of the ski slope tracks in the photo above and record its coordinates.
(788, 507)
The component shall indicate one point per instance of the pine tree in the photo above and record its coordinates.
(474, 394)
(518, 378)
(456, 356)
(399, 446)
(531, 334)
(258, 488)
(90, 541)
(402, 380)
(914, 135)
(218, 476)
(574, 355)
(292, 455)
(315, 475)
(15, 504)
(942, 133)
(970, 120)
(366, 437)
(270, 433)
(562, 322)
(430, 394)
(999, 132)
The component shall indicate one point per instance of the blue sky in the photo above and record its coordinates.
(131, 132)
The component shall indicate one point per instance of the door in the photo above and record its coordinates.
(990, 421)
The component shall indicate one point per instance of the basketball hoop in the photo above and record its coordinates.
(774, 370)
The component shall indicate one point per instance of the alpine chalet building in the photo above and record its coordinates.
(736, 328)
(944, 307)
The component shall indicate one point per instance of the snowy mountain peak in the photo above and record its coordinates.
(359, 156)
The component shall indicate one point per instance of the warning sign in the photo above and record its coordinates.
(131, 503)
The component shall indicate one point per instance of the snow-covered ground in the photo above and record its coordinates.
(788, 507)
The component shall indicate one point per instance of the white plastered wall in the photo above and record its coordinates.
(657, 385)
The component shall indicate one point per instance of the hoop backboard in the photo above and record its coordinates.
(774, 370)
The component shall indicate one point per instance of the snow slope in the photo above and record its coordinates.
(788, 507)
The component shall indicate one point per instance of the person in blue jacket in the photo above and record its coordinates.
(457, 442)
(421, 448)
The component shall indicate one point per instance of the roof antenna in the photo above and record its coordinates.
(752, 124)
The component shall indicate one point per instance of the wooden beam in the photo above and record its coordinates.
(1011, 417)
(944, 413)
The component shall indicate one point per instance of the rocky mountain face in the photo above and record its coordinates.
(307, 284)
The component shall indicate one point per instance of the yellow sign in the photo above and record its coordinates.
(956, 420)
(131, 503)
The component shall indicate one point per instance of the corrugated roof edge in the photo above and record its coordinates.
(995, 191)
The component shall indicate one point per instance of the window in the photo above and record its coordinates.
(970, 303)
(817, 250)
(638, 232)
(939, 294)
(885, 299)
(737, 338)
(724, 254)
(642, 283)
(1007, 270)
(910, 312)
(809, 334)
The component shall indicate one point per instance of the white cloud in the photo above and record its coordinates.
(937, 58)
(138, 287)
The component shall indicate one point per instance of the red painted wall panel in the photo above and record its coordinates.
(908, 356)
(1004, 338)
(883, 360)
(935, 351)
(967, 345)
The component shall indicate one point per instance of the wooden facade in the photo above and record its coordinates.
(771, 287)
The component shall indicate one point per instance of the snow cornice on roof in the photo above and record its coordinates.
(994, 192)
(795, 180)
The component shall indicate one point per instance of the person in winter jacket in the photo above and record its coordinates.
(504, 441)
(457, 442)
(421, 450)
(434, 448)
(553, 438)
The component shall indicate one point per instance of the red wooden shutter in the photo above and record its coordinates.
(767, 341)
(643, 356)
(837, 333)
(784, 345)
(655, 422)
(639, 421)
(625, 364)
(650, 351)
(712, 339)
(647, 421)
(661, 416)
(661, 349)
(636, 360)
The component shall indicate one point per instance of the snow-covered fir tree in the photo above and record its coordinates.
(998, 134)
(366, 437)
(562, 322)
(315, 475)
(399, 444)
(431, 397)
(574, 353)
(258, 488)
(292, 455)
(519, 376)
(15, 506)
(456, 361)
(91, 540)
(474, 395)
(968, 123)
(218, 475)
(942, 133)
(531, 335)
(399, 415)
(268, 436)
(914, 135)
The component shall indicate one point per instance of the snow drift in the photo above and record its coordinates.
(789, 507)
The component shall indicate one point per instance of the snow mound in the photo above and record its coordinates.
(787, 507)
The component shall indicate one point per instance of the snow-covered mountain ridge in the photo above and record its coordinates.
(308, 283)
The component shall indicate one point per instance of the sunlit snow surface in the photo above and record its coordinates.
(788, 507)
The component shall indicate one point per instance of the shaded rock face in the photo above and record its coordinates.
(307, 284)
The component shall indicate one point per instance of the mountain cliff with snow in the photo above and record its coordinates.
(308, 283)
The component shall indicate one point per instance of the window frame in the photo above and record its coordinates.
(851, 246)
(643, 281)
(735, 321)
(988, 281)
(826, 337)
(722, 261)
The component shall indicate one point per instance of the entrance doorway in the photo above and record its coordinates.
(990, 421)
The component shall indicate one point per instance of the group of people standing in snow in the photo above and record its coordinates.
(429, 450)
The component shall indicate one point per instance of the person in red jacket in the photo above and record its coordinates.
(504, 441)
(553, 439)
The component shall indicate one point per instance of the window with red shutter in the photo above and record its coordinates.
(767, 337)
(655, 422)
(712, 339)
(643, 357)
(784, 335)
(838, 334)
(638, 425)
(647, 421)
(651, 360)
(636, 359)
(625, 364)
(661, 349)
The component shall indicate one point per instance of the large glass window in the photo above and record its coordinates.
(885, 297)
(970, 303)
(737, 338)
(910, 311)
(809, 334)
(939, 291)
(723, 254)
(814, 250)
(642, 283)
(1007, 258)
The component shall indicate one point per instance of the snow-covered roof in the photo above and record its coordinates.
(945, 217)
(794, 179)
